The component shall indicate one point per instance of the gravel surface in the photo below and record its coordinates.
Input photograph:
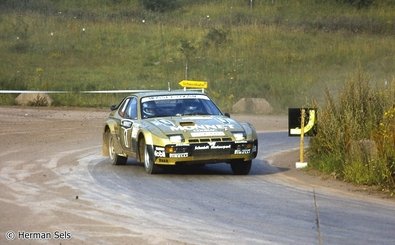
(41, 148)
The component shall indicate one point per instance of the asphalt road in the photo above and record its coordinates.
(209, 205)
(52, 177)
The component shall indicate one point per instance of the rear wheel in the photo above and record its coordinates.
(114, 157)
(148, 159)
(241, 167)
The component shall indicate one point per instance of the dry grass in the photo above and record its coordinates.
(356, 142)
(284, 51)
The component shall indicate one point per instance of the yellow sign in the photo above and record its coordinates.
(306, 128)
(193, 84)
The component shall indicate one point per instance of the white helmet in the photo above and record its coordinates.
(191, 107)
(149, 109)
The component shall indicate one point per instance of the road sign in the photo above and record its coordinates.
(294, 121)
(193, 84)
(297, 118)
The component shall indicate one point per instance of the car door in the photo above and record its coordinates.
(128, 127)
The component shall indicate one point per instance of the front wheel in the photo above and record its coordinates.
(241, 167)
(114, 157)
(149, 165)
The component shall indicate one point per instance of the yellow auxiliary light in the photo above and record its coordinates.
(170, 149)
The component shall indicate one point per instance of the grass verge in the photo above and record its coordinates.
(356, 141)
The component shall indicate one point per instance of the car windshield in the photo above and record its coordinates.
(177, 105)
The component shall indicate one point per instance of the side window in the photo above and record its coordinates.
(121, 112)
(131, 110)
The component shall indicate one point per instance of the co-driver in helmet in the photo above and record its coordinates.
(149, 109)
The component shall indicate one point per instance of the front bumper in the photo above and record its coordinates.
(210, 152)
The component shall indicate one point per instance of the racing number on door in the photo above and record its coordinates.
(125, 137)
(126, 128)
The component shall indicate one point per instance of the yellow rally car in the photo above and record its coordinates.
(177, 127)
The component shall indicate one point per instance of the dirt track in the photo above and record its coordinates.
(41, 147)
(31, 139)
(38, 145)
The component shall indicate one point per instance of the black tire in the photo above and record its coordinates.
(114, 157)
(148, 159)
(241, 167)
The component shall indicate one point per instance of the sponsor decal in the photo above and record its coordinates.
(178, 155)
(212, 146)
(163, 122)
(240, 152)
(203, 128)
(135, 130)
(126, 123)
(221, 147)
(174, 97)
(241, 141)
(160, 154)
(198, 147)
(207, 134)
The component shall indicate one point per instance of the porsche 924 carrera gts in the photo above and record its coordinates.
(177, 127)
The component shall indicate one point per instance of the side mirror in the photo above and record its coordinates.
(227, 114)
(113, 107)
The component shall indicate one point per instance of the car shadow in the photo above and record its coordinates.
(259, 167)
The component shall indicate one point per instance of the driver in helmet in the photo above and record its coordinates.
(149, 109)
(191, 107)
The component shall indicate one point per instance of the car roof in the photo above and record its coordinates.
(166, 92)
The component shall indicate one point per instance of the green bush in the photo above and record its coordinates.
(356, 140)
(216, 37)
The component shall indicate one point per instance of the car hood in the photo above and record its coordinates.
(197, 126)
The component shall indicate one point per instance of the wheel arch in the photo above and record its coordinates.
(106, 134)
(148, 141)
(140, 151)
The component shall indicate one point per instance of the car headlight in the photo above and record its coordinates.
(176, 138)
(239, 136)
